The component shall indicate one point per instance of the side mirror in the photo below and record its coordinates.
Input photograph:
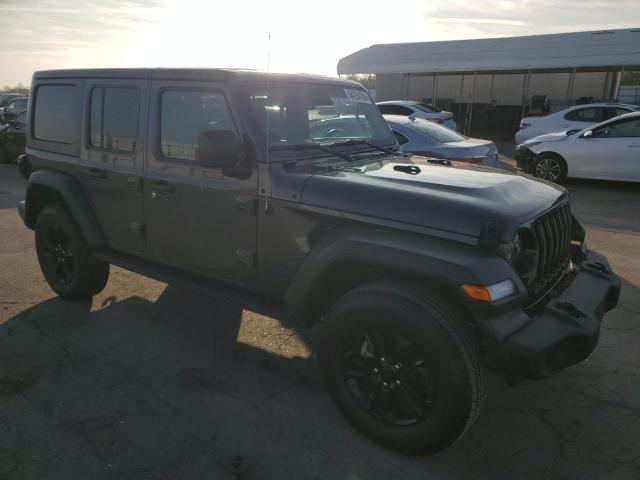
(587, 134)
(218, 148)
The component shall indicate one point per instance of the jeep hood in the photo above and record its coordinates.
(456, 200)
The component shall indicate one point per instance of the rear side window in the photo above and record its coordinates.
(587, 115)
(114, 119)
(395, 110)
(54, 115)
(401, 139)
(185, 115)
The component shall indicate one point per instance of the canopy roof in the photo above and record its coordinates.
(581, 50)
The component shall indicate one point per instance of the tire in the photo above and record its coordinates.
(66, 260)
(550, 167)
(440, 388)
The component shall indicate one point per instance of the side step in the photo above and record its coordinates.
(216, 289)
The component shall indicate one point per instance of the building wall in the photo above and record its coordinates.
(506, 90)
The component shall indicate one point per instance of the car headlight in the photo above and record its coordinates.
(490, 293)
(531, 144)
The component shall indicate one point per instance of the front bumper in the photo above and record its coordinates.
(525, 158)
(562, 332)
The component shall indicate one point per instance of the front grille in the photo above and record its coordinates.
(552, 233)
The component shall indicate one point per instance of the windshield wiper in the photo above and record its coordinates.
(306, 146)
(364, 142)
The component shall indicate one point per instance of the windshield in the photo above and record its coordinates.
(438, 133)
(308, 113)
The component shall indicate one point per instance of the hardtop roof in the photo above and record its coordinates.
(191, 74)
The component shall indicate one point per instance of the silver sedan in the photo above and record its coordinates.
(422, 137)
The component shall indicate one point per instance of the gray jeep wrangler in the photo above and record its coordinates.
(290, 195)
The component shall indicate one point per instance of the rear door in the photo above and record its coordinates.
(198, 217)
(112, 159)
(581, 118)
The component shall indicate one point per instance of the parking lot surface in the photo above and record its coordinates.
(152, 381)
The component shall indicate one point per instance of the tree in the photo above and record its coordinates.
(19, 88)
(631, 78)
(367, 81)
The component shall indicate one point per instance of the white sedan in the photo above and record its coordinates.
(608, 150)
(576, 117)
(408, 108)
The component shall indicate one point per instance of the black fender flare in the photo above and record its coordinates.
(447, 263)
(67, 187)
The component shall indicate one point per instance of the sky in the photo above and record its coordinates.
(279, 35)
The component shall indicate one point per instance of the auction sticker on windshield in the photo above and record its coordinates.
(357, 96)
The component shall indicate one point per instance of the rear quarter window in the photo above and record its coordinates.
(54, 119)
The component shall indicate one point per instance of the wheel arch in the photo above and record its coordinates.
(343, 262)
(46, 187)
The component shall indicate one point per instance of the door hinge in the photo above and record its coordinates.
(247, 204)
(246, 257)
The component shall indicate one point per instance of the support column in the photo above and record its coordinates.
(525, 90)
(435, 89)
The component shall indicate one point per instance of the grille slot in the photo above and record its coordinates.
(552, 232)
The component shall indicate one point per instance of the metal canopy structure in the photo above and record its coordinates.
(582, 51)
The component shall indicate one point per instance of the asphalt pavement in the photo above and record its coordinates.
(152, 381)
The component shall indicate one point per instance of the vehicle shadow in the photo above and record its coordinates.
(188, 387)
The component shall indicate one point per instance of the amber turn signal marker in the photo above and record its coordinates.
(477, 293)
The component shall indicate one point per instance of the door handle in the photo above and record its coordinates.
(96, 174)
(634, 145)
(161, 187)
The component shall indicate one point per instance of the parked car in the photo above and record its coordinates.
(418, 110)
(572, 118)
(419, 277)
(609, 150)
(5, 98)
(12, 138)
(425, 138)
(14, 108)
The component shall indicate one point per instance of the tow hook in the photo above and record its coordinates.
(599, 267)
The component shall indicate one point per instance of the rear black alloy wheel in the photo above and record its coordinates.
(66, 260)
(388, 376)
(401, 366)
(57, 254)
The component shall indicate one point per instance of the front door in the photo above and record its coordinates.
(612, 151)
(112, 159)
(199, 217)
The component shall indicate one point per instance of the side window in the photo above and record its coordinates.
(611, 112)
(22, 118)
(629, 127)
(587, 115)
(400, 138)
(114, 118)
(54, 116)
(395, 110)
(186, 117)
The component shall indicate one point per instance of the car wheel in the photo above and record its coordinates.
(65, 258)
(550, 167)
(401, 367)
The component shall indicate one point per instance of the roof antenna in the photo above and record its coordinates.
(266, 111)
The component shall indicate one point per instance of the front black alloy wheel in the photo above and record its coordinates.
(401, 366)
(388, 376)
